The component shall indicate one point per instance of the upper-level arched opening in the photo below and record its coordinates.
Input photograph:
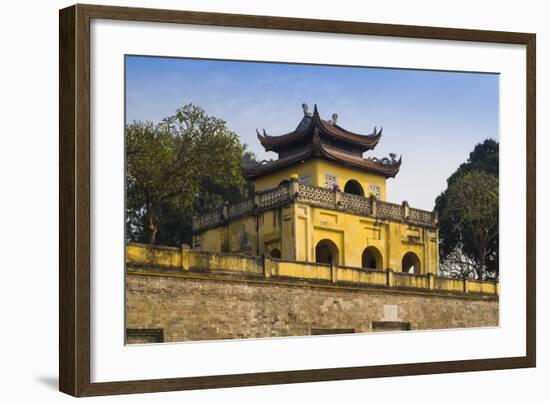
(353, 187)
(283, 182)
(372, 258)
(410, 263)
(327, 252)
(275, 253)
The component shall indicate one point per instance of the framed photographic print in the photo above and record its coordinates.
(250, 200)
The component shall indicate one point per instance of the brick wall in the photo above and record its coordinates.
(208, 307)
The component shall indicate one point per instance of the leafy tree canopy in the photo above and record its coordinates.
(186, 164)
(468, 211)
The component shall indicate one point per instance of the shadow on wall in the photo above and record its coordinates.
(51, 382)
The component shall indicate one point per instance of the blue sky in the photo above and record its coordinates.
(434, 119)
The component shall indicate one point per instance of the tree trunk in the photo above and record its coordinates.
(151, 225)
(481, 263)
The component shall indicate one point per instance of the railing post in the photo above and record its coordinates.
(373, 205)
(436, 216)
(431, 281)
(466, 281)
(294, 185)
(333, 273)
(406, 209)
(266, 261)
(337, 198)
(185, 253)
(389, 278)
(225, 211)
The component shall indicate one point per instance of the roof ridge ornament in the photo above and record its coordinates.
(264, 133)
(305, 108)
(385, 161)
(327, 128)
(374, 133)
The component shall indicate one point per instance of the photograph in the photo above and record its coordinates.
(274, 199)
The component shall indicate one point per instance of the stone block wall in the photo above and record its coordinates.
(187, 306)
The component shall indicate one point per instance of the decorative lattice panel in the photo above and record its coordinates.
(209, 218)
(421, 216)
(389, 210)
(355, 203)
(274, 197)
(316, 195)
(241, 208)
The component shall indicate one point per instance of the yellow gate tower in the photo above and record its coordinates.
(322, 202)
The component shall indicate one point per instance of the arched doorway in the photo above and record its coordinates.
(410, 263)
(275, 254)
(326, 251)
(372, 258)
(354, 188)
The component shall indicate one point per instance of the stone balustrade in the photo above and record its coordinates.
(187, 260)
(319, 197)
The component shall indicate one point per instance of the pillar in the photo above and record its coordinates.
(185, 256)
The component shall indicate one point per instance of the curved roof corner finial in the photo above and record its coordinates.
(260, 135)
(375, 131)
(315, 111)
(305, 108)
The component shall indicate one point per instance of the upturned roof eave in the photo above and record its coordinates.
(332, 131)
(316, 149)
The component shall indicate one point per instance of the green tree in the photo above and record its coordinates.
(472, 212)
(484, 157)
(174, 166)
(459, 255)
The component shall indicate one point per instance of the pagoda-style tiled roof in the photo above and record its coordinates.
(327, 129)
(316, 138)
(317, 149)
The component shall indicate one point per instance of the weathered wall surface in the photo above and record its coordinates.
(208, 307)
(315, 172)
(296, 229)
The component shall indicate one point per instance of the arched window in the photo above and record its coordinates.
(410, 263)
(275, 254)
(326, 251)
(353, 187)
(372, 258)
(283, 182)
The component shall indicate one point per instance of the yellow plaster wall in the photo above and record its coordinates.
(300, 270)
(296, 229)
(352, 234)
(275, 230)
(140, 255)
(273, 180)
(239, 236)
(317, 169)
(163, 256)
(343, 174)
